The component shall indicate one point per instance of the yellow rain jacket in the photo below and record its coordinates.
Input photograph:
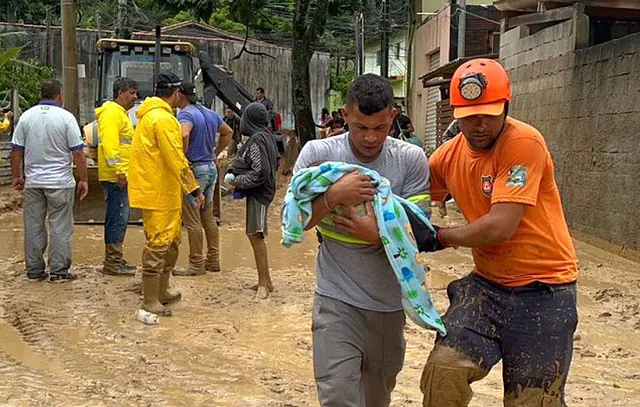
(4, 125)
(159, 173)
(116, 132)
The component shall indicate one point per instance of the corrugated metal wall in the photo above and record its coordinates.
(433, 97)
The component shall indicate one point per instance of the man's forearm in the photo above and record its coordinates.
(223, 142)
(320, 209)
(81, 165)
(483, 232)
(16, 163)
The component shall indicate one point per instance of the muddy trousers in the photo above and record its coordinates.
(530, 328)
(163, 231)
(357, 353)
(201, 223)
(57, 205)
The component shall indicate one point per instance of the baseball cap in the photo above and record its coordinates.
(189, 91)
(168, 80)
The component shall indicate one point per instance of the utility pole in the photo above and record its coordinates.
(157, 56)
(359, 42)
(49, 39)
(70, 57)
(123, 19)
(462, 27)
(384, 40)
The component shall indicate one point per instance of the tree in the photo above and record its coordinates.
(309, 21)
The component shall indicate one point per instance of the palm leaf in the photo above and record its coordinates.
(9, 55)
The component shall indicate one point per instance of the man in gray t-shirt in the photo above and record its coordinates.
(49, 141)
(358, 318)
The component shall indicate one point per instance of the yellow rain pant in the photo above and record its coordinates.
(163, 231)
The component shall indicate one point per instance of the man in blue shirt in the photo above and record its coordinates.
(200, 127)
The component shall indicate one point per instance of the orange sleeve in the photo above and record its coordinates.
(520, 170)
(437, 182)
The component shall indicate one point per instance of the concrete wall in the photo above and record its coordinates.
(250, 71)
(586, 103)
(431, 36)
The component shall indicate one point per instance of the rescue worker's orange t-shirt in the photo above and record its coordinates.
(519, 170)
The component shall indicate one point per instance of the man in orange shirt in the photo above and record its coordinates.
(519, 303)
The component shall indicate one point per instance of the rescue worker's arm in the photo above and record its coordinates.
(173, 156)
(226, 134)
(496, 227)
(109, 130)
(187, 127)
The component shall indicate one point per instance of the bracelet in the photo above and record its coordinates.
(326, 201)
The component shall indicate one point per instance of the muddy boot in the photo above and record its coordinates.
(212, 233)
(112, 265)
(150, 292)
(166, 295)
(153, 261)
(188, 271)
(123, 263)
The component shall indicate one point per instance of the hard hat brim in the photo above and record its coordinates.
(490, 109)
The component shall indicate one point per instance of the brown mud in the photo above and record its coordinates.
(79, 344)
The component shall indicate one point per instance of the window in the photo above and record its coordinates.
(495, 42)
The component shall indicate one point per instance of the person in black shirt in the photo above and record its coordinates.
(402, 126)
(233, 121)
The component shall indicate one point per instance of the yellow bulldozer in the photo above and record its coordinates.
(136, 59)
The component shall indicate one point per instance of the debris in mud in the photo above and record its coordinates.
(607, 294)
(619, 353)
(588, 354)
(605, 315)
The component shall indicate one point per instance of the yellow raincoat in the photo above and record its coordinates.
(159, 173)
(116, 132)
(4, 125)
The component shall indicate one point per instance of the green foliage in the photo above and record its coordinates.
(27, 76)
(340, 82)
(181, 17)
(9, 55)
(221, 18)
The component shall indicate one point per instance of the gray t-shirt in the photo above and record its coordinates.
(48, 134)
(358, 274)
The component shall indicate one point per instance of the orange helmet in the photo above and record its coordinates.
(480, 86)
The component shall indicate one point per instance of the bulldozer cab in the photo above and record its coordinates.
(134, 59)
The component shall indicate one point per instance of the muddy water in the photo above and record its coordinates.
(78, 344)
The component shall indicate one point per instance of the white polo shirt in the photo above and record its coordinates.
(48, 134)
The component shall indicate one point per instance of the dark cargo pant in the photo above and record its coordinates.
(530, 328)
(357, 353)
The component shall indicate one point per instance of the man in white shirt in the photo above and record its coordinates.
(48, 138)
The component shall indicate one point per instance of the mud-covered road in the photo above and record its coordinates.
(79, 344)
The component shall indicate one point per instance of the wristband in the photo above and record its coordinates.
(195, 193)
